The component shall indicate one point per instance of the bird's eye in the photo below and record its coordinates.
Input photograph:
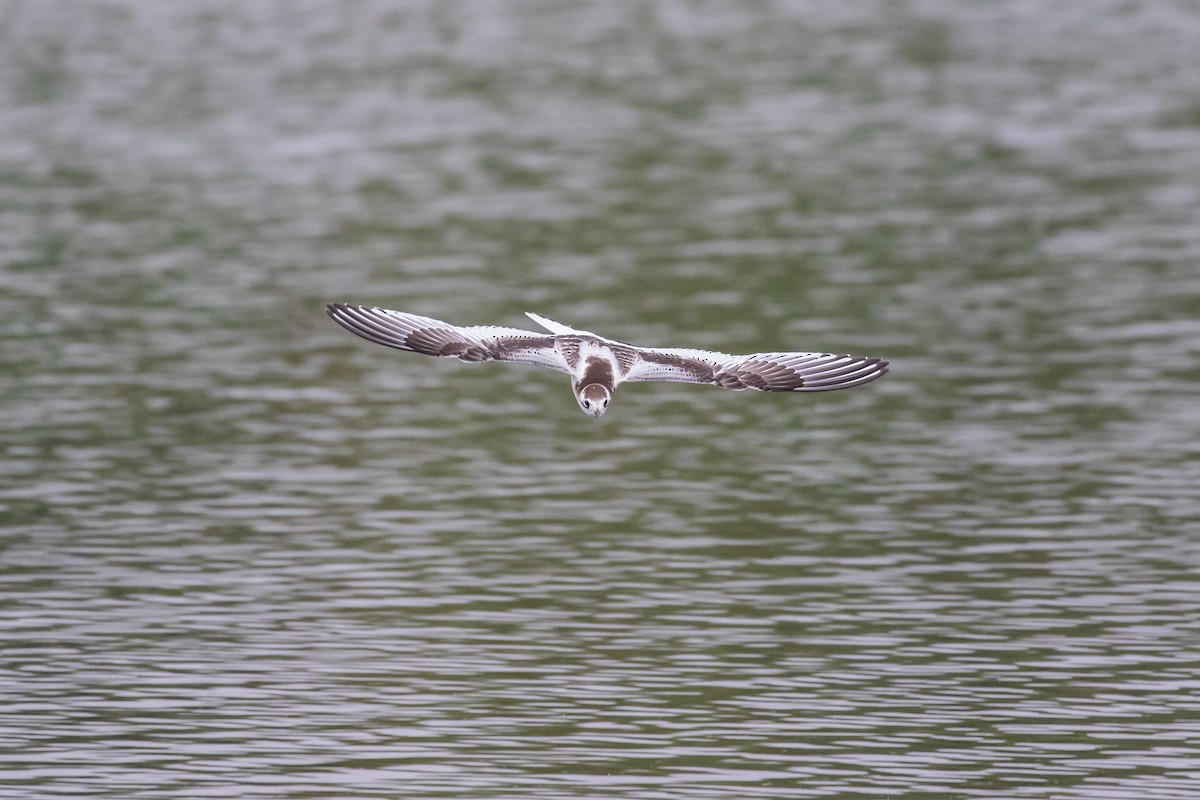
(587, 404)
(606, 404)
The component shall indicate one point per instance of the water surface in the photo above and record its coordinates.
(247, 555)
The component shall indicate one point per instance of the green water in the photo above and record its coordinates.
(244, 554)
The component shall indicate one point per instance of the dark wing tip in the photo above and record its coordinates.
(369, 324)
(842, 376)
(408, 332)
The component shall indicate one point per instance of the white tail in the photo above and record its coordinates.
(556, 328)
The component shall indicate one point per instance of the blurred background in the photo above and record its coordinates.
(244, 554)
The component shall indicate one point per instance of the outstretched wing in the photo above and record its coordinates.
(433, 337)
(766, 372)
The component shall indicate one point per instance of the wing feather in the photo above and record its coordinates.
(433, 337)
(766, 372)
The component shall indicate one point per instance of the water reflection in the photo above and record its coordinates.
(246, 554)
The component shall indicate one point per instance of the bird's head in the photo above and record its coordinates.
(593, 399)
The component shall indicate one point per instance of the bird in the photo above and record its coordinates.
(598, 365)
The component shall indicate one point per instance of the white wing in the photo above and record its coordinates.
(766, 372)
(433, 337)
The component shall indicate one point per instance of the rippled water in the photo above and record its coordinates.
(245, 554)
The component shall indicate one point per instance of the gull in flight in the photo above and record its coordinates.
(597, 365)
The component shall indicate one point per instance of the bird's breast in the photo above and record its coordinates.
(597, 368)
